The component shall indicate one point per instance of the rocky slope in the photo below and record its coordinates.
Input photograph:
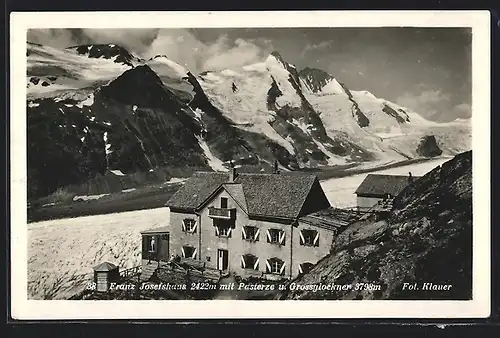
(94, 108)
(426, 239)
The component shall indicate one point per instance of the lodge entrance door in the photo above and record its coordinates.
(222, 259)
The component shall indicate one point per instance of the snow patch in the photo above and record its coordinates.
(176, 180)
(128, 190)
(198, 113)
(213, 161)
(304, 127)
(332, 158)
(134, 107)
(107, 146)
(87, 102)
(88, 197)
(117, 172)
(33, 104)
(68, 105)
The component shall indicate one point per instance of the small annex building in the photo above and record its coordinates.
(376, 188)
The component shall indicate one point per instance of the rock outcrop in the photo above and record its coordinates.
(428, 147)
(425, 244)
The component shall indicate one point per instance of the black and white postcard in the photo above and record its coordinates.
(186, 165)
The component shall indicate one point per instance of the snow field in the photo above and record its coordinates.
(61, 252)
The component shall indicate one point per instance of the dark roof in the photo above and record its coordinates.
(156, 230)
(331, 218)
(380, 185)
(236, 192)
(197, 189)
(106, 266)
(268, 195)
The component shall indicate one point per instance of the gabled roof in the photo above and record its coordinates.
(267, 195)
(236, 192)
(197, 189)
(106, 266)
(380, 185)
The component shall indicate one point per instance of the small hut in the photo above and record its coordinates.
(104, 274)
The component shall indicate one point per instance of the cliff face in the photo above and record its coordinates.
(426, 239)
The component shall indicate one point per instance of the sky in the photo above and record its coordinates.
(425, 69)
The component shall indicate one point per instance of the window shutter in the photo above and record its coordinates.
(300, 269)
(268, 236)
(302, 240)
(282, 237)
(268, 266)
(144, 243)
(183, 252)
(184, 225)
(316, 239)
(194, 227)
(194, 253)
(243, 265)
(256, 264)
(229, 232)
(216, 231)
(243, 233)
(157, 243)
(282, 270)
(257, 235)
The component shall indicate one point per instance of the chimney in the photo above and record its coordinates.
(276, 168)
(410, 178)
(232, 172)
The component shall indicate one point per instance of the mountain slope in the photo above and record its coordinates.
(99, 107)
(426, 239)
(267, 98)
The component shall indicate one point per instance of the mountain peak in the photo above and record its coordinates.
(276, 57)
(139, 85)
(106, 51)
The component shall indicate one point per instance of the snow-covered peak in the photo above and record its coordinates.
(276, 60)
(166, 67)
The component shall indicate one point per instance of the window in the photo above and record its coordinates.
(223, 228)
(276, 236)
(309, 237)
(189, 225)
(275, 265)
(250, 261)
(152, 244)
(188, 252)
(164, 237)
(305, 267)
(223, 202)
(250, 233)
